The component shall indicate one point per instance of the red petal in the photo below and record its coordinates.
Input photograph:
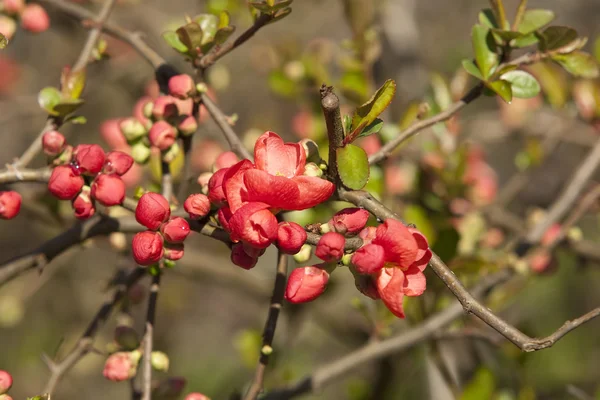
(277, 191)
(274, 156)
(313, 191)
(414, 282)
(399, 244)
(233, 184)
(390, 282)
(369, 259)
(254, 224)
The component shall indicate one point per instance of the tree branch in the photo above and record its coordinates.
(330, 104)
(148, 338)
(13, 175)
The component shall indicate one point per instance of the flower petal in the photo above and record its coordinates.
(254, 224)
(277, 191)
(389, 283)
(414, 282)
(399, 244)
(233, 184)
(313, 191)
(274, 156)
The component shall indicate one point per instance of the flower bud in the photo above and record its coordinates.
(175, 230)
(159, 361)
(188, 126)
(83, 204)
(172, 153)
(304, 254)
(174, 251)
(121, 366)
(142, 111)
(13, 6)
(225, 160)
(109, 190)
(89, 158)
(117, 162)
(110, 131)
(242, 259)
(306, 284)
(312, 169)
(196, 396)
(132, 129)
(164, 107)
(162, 135)
(290, 237)
(140, 153)
(6, 381)
(152, 210)
(181, 86)
(10, 204)
(369, 259)
(184, 107)
(330, 247)
(64, 184)
(147, 247)
(53, 143)
(216, 195)
(126, 337)
(34, 18)
(8, 26)
(197, 206)
(349, 221)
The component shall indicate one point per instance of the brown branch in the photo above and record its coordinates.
(148, 338)
(52, 123)
(330, 104)
(84, 344)
(13, 175)
(270, 325)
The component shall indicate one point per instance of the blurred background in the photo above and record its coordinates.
(211, 313)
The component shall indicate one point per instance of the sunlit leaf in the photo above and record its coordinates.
(223, 34)
(472, 69)
(224, 19)
(209, 24)
(555, 37)
(525, 41)
(552, 81)
(523, 84)
(368, 112)
(578, 63)
(48, 98)
(353, 166)
(372, 128)
(507, 35)
(484, 49)
(487, 18)
(67, 106)
(173, 40)
(190, 35)
(535, 19)
(501, 88)
(72, 83)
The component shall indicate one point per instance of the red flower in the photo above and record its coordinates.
(175, 230)
(290, 237)
(398, 242)
(147, 247)
(274, 156)
(423, 251)
(117, 162)
(162, 135)
(89, 158)
(254, 224)
(34, 18)
(83, 204)
(349, 220)
(330, 247)
(393, 283)
(369, 258)
(64, 184)
(152, 210)
(197, 206)
(181, 86)
(6, 381)
(306, 284)
(10, 204)
(216, 193)
(121, 366)
(53, 143)
(241, 258)
(109, 190)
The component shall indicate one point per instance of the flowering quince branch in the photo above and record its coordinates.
(148, 337)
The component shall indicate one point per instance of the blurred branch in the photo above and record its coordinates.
(13, 175)
(52, 123)
(166, 181)
(84, 344)
(148, 338)
(270, 325)
(93, 36)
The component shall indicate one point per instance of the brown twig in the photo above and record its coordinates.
(148, 338)
(13, 175)
(270, 325)
(330, 104)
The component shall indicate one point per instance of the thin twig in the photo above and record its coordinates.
(166, 181)
(52, 123)
(148, 338)
(13, 175)
(270, 325)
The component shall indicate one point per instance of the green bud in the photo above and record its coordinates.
(312, 169)
(159, 361)
(140, 152)
(304, 254)
(132, 129)
(171, 153)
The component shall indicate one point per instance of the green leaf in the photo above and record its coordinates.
(472, 69)
(441, 91)
(209, 24)
(77, 120)
(555, 37)
(484, 48)
(372, 128)
(67, 106)
(3, 41)
(353, 166)
(281, 84)
(173, 40)
(224, 19)
(578, 63)
(525, 41)
(523, 84)
(72, 83)
(223, 34)
(190, 35)
(487, 18)
(281, 14)
(501, 88)
(368, 112)
(507, 35)
(347, 122)
(535, 19)
(48, 98)
(354, 85)
(480, 387)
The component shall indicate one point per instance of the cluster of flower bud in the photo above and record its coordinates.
(10, 204)
(32, 17)
(6, 382)
(85, 174)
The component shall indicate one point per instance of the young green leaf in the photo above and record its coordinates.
(501, 88)
(472, 69)
(172, 40)
(525, 41)
(523, 84)
(209, 24)
(190, 35)
(578, 63)
(372, 128)
(72, 83)
(487, 18)
(353, 166)
(48, 98)
(347, 122)
(484, 48)
(224, 19)
(500, 14)
(534, 20)
(67, 106)
(368, 112)
(555, 37)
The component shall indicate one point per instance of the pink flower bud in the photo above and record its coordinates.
(152, 210)
(369, 259)
(6, 381)
(197, 205)
(111, 133)
(126, 337)
(175, 230)
(34, 18)
(13, 6)
(10, 204)
(89, 158)
(290, 237)
(184, 107)
(539, 260)
(188, 126)
(83, 204)
(109, 190)
(164, 107)
(147, 247)
(216, 194)
(349, 221)
(196, 396)
(330, 247)
(64, 184)
(121, 366)
(133, 177)
(117, 162)
(182, 86)
(5, 397)
(8, 26)
(306, 284)
(225, 160)
(242, 259)
(174, 251)
(162, 135)
(53, 143)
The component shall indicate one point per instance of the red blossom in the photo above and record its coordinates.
(306, 284)
(369, 258)
(147, 247)
(241, 258)
(197, 206)
(290, 237)
(152, 210)
(83, 204)
(6, 381)
(393, 284)
(330, 247)
(109, 190)
(398, 242)
(117, 162)
(53, 143)
(224, 215)
(162, 135)
(349, 220)
(164, 107)
(216, 193)
(89, 158)
(181, 86)
(10, 204)
(34, 18)
(64, 183)
(254, 224)
(120, 366)
(175, 230)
